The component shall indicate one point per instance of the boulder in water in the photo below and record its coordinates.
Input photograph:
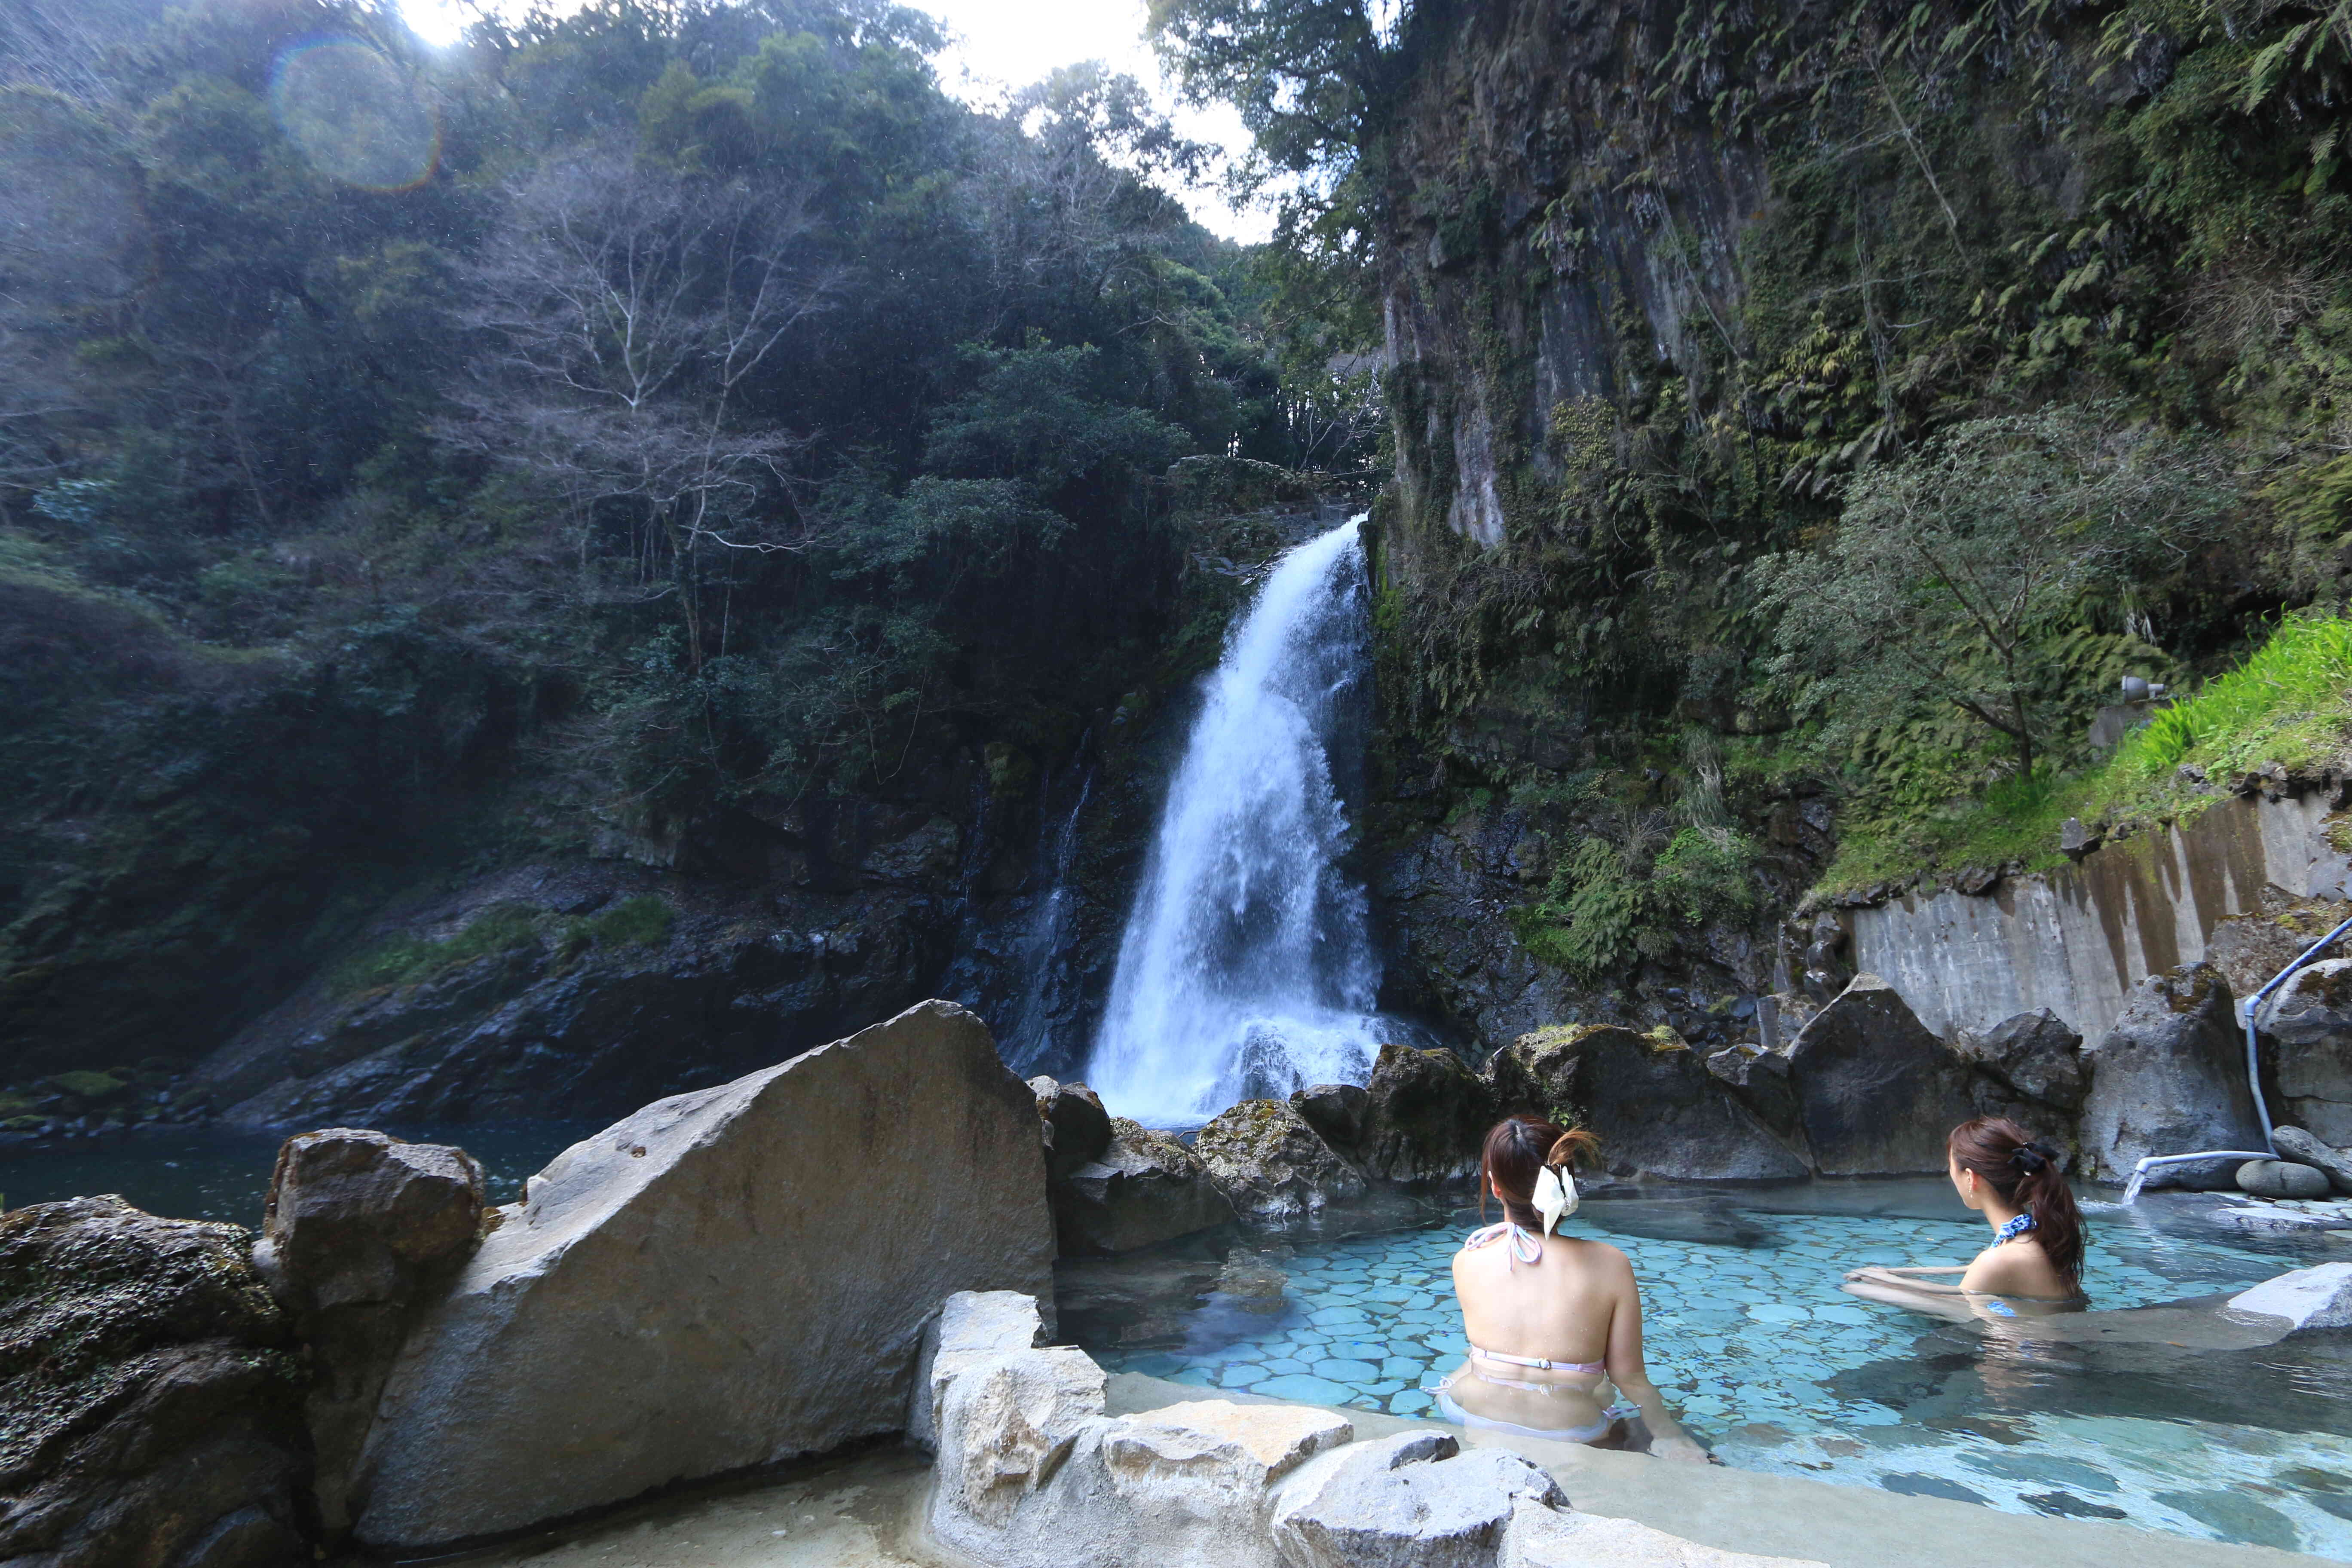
(359, 1228)
(151, 1404)
(1272, 1166)
(1425, 1116)
(2037, 1055)
(1076, 1127)
(2310, 1031)
(1758, 1079)
(2309, 1299)
(1651, 1099)
(2297, 1145)
(725, 1279)
(2170, 1078)
(2282, 1179)
(1876, 1094)
(1144, 1187)
(1336, 1111)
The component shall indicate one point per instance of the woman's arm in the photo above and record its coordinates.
(1632, 1379)
(1905, 1271)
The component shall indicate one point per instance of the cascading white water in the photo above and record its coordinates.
(1247, 968)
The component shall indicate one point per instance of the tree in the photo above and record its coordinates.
(1949, 575)
(622, 311)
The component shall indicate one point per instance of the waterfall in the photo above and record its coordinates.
(1247, 968)
(1044, 966)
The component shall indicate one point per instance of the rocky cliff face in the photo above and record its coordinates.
(1651, 284)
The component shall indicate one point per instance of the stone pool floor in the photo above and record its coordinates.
(1780, 1371)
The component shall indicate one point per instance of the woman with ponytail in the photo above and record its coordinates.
(1552, 1320)
(2005, 1173)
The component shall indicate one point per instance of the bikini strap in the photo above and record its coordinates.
(1523, 1249)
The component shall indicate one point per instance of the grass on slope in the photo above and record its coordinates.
(2290, 703)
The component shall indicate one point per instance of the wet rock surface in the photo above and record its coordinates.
(2170, 1078)
(360, 1231)
(1876, 1094)
(820, 1211)
(150, 1407)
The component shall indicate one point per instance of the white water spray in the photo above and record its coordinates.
(1246, 969)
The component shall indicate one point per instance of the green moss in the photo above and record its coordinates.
(2290, 703)
(501, 928)
(642, 922)
(87, 1085)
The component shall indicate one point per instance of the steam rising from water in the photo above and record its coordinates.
(1246, 969)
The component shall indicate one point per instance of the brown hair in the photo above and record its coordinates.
(1516, 1150)
(2023, 1171)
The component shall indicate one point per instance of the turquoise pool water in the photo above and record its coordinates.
(1777, 1369)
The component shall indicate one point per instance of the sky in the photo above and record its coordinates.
(1003, 43)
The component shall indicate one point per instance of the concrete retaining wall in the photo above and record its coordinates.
(2076, 940)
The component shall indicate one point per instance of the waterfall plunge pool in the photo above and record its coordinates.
(1778, 1370)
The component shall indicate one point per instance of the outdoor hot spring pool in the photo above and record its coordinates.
(1778, 1369)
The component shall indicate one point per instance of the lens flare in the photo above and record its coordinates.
(354, 114)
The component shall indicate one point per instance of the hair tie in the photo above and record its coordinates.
(2030, 1157)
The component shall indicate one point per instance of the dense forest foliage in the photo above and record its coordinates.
(640, 420)
(1852, 392)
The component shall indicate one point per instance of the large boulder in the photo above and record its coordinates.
(1876, 1094)
(2309, 1027)
(150, 1407)
(725, 1278)
(1425, 1116)
(1758, 1078)
(359, 1228)
(1649, 1098)
(1143, 1188)
(2170, 1078)
(2037, 1056)
(1271, 1165)
(1336, 1111)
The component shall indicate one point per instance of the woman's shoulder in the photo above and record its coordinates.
(2018, 1266)
(1601, 1255)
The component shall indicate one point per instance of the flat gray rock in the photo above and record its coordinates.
(725, 1278)
(2309, 1299)
(1413, 1500)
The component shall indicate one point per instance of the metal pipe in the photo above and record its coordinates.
(2253, 1005)
(2253, 1081)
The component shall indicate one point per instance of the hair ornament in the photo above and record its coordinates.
(2031, 1157)
(1555, 1196)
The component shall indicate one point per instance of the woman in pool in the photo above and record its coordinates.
(1552, 1320)
(2004, 1173)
